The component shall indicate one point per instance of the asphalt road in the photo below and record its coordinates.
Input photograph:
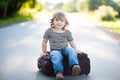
(20, 46)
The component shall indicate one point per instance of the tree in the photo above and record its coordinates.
(4, 6)
(82, 5)
(58, 6)
(94, 4)
(70, 6)
(106, 13)
(8, 7)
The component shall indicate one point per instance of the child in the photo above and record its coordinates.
(59, 37)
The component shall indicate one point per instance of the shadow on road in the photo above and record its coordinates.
(41, 76)
(20, 46)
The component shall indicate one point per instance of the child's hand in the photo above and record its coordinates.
(78, 52)
(45, 54)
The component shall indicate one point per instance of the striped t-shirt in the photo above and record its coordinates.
(58, 40)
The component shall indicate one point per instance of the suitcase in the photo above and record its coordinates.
(45, 65)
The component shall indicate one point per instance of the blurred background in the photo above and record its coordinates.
(20, 44)
(106, 13)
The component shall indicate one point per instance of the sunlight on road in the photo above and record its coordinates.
(29, 40)
(12, 63)
(21, 47)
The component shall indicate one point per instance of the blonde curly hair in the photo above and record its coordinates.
(58, 15)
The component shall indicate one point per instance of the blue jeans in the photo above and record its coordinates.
(58, 55)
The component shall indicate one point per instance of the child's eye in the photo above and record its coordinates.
(62, 20)
(56, 19)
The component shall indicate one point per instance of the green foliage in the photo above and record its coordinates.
(15, 18)
(58, 6)
(3, 3)
(118, 8)
(70, 6)
(38, 6)
(82, 5)
(94, 4)
(107, 18)
(106, 13)
(112, 25)
(4, 6)
(67, 7)
(9, 7)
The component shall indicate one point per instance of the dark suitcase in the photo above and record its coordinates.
(45, 65)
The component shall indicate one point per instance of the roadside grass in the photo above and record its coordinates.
(91, 16)
(111, 25)
(14, 18)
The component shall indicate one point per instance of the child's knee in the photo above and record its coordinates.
(70, 49)
(56, 55)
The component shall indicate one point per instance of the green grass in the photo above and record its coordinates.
(112, 25)
(14, 18)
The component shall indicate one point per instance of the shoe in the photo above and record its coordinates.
(76, 70)
(59, 76)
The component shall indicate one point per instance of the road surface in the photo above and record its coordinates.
(20, 46)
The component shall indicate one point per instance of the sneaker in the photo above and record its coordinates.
(59, 76)
(76, 70)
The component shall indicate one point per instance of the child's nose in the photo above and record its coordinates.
(59, 21)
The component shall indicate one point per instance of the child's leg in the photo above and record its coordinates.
(56, 58)
(72, 56)
(72, 60)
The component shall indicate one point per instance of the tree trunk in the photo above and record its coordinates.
(5, 11)
(6, 8)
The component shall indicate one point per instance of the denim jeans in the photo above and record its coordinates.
(58, 55)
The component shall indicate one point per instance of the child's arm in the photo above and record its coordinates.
(44, 46)
(73, 45)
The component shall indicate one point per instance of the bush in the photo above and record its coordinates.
(106, 13)
(9, 7)
(28, 10)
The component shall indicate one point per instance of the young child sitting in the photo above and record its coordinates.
(59, 37)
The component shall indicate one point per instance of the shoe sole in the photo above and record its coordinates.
(76, 70)
(59, 78)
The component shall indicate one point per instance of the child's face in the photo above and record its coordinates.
(59, 22)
